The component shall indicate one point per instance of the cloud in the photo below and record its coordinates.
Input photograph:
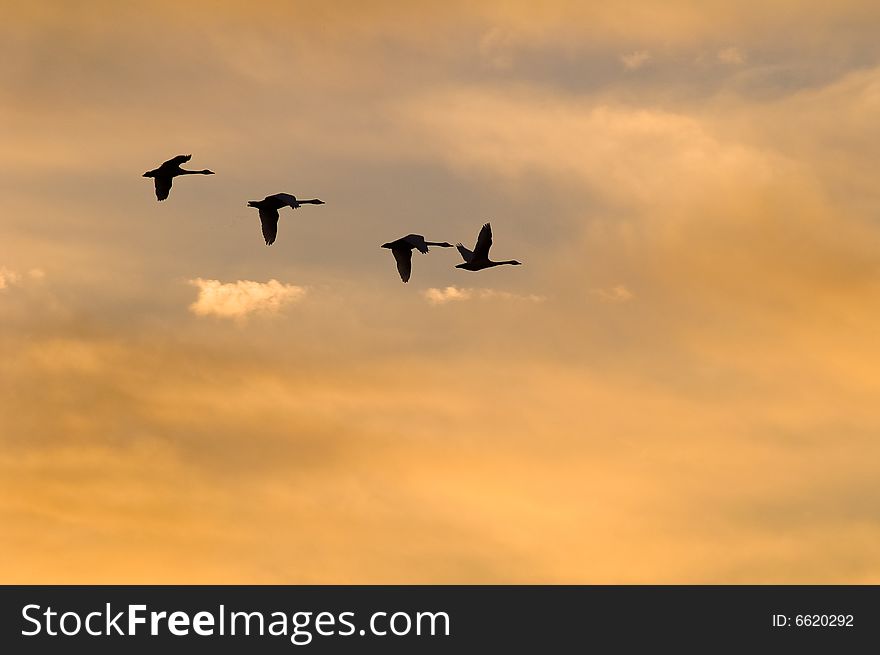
(8, 277)
(616, 294)
(731, 55)
(437, 296)
(449, 294)
(243, 297)
(726, 418)
(624, 155)
(635, 60)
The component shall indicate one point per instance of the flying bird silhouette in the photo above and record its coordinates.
(478, 258)
(165, 174)
(269, 207)
(402, 250)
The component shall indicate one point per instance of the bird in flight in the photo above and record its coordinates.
(402, 250)
(269, 207)
(165, 174)
(478, 258)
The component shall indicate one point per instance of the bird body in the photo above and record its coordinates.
(478, 258)
(268, 208)
(165, 174)
(402, 250)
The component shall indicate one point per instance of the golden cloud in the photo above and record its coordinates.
(449, 294)
(721, 429)
(243, 297)
(616, 294)
(8, 277)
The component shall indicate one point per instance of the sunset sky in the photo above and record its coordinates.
(679, 386)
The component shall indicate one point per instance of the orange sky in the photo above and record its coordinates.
(678, 386)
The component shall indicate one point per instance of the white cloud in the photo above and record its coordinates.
(731, 55)
(452, 294)
(616, 294)
(635, 60)
(243, 297)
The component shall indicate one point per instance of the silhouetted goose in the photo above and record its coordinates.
(164, 175)
(402, 251)
(478, 259)
(269, 207)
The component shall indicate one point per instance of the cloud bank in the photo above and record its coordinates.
(726, 421)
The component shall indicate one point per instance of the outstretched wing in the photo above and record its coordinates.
(269, 221)
(466, 254)
(417, 241)
(484, 242)
(285, 199)
(163, 186)
(177, 161)
(404, 262)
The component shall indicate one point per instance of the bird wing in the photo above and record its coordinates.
(163, 186)
(484, 242)
(466, 254)
(404, 262)
(269, 221)
(177, 161)
(417, 241)
(285, 199)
